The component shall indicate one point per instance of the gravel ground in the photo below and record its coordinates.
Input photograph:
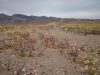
(51, 63)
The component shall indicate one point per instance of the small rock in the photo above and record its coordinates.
(63, 73)
(35, 70)
(28, 65)
(42, 72)
(31, 72)
(41, 65)
(8, 69)
(35, 73)
(19, 71)
(23, 69)
(58, 71)
(15, 72)
(14, 67)
(30, 69)
(4, 66)
(28, 73)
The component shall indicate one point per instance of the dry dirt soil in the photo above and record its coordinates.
(52, 62)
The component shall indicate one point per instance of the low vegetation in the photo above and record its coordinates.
(24, 45)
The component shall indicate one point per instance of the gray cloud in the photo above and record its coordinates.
(57, 8)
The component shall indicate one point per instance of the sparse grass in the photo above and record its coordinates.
(30, 55)
(40, 55)
(61, 51)
(22, 54)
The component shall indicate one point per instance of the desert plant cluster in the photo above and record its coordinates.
(85, 27)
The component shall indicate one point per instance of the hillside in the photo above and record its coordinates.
(19, 18)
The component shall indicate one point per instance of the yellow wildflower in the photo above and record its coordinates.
(54, 26)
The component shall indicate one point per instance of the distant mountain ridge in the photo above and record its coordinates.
(20, 18)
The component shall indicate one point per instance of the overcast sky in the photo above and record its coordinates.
(56, 8)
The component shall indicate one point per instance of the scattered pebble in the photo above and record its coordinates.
(19, 71)
(63, 73)
(15, 72)
(23, 69)
(35, 70)
(35, 73)
(28, 73)
(28, 65)
(4, 66)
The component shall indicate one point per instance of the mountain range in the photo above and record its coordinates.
(20, 18)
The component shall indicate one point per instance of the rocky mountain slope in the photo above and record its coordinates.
(19, 18)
